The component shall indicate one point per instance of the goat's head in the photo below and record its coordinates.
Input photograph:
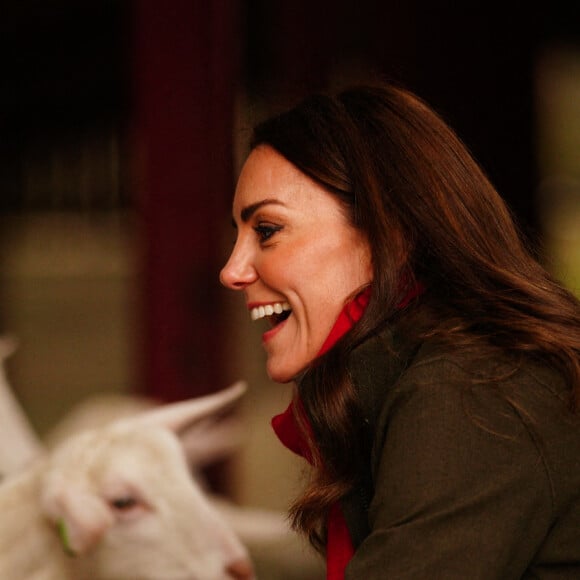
(128, 506)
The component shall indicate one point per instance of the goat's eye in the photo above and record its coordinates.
(124, 503)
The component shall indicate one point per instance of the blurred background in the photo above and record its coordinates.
(123, 126)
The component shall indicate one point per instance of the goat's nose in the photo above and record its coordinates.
(241, 569)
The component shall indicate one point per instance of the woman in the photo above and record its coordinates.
(436, 362)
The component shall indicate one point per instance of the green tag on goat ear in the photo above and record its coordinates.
(62, 532)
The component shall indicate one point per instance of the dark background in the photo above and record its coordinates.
(166, 79)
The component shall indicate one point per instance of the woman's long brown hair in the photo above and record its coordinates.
(430, 214)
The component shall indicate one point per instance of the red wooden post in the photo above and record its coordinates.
(184, 66)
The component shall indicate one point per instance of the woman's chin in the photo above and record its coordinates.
(278, 377)
(282, 373)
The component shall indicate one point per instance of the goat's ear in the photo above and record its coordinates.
(212, 440)
(8, 345)
(81, 517)
(181, 415)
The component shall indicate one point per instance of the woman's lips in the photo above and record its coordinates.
(269, 334)
(276, 312)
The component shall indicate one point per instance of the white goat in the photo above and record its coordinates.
(277, 552)
(121, 501)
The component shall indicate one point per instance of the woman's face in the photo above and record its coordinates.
(297, 259)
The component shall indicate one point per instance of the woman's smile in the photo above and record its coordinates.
(276, 315)
(275, 312)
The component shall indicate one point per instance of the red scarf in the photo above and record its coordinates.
(339, 549)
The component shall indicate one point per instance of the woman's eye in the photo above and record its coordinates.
(266, 231)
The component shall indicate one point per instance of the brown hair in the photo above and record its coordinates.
(430, 214)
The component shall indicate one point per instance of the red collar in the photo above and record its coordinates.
(339, 549)
(350, 314)
(284, 424)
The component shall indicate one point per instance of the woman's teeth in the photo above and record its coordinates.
(269, 309)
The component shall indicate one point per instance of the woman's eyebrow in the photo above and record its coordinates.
(249, 210)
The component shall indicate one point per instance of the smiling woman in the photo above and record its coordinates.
(297, 258)
(435, 360)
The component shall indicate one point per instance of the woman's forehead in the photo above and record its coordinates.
(267, 178)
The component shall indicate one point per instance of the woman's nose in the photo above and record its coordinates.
(238, 271)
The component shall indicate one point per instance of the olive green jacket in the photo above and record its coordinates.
(468, 480)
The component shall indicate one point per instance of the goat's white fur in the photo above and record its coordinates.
(128, 503)
(20, 443)
(278, 553)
